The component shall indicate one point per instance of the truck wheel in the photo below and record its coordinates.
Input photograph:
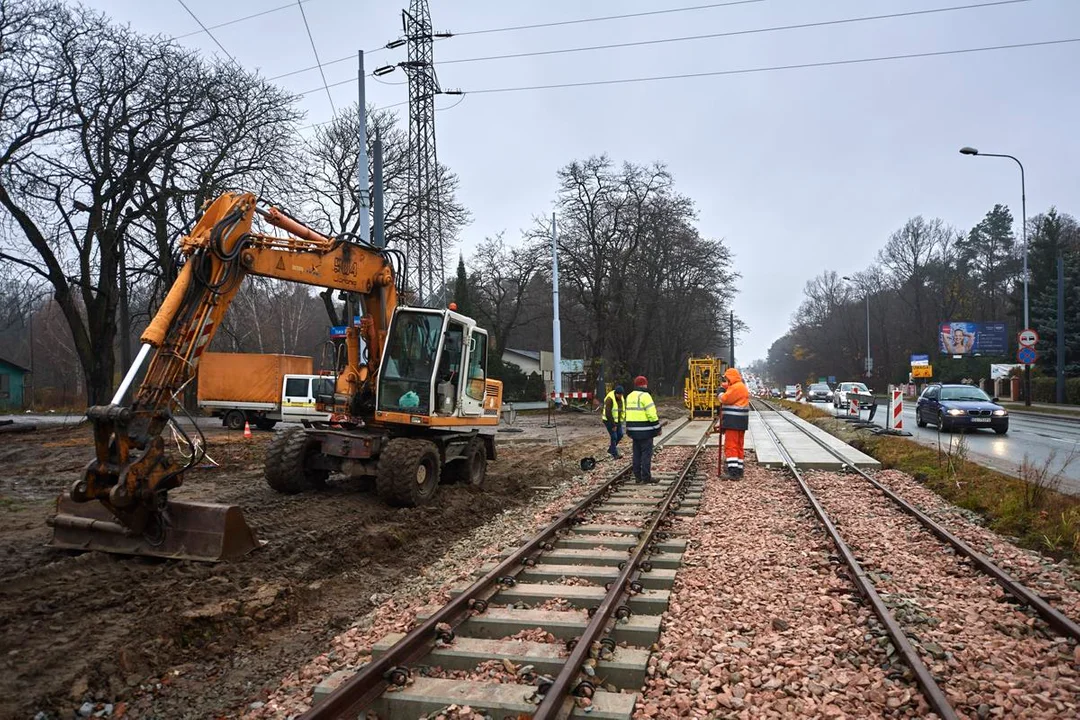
(235, 419)
(287, 463)
(472, 468)
(408, 472)
(264, 424)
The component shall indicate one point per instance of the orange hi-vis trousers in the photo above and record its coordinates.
(733, 450)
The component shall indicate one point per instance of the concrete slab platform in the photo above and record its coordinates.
(427, 695)
(625, 669)
(498, 622)
(690, 434)
(806, 453)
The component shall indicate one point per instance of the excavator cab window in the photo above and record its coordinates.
(477, 365)
(409, 362)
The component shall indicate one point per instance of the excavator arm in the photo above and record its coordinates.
(132, 472)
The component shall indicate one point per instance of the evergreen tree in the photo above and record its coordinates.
(1051, 234)
(461, 289)
(989, 252)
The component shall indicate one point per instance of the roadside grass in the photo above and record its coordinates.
(1028, 509)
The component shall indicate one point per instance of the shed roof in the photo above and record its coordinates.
(15, 365)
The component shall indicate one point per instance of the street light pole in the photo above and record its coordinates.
(1023, 231)
(869, 361)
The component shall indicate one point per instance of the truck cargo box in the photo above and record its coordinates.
(247, 377)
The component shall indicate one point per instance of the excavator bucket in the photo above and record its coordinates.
(196, 531)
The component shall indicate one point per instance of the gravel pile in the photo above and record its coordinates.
(1057, 582)
(397, 612)
(991, 657)
(760, 623)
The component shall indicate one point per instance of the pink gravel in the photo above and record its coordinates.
(1056, 580)
(761, 625)
(990, 656)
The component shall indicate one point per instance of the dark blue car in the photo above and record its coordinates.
(960, 407)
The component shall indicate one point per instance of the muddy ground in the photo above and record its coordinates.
(182, 639)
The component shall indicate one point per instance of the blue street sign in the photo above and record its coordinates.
(337, 331)
(1026, 355)
(832, 379)
(920, 360)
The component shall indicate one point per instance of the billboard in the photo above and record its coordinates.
(968, 338)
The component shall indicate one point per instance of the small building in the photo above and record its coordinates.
(528, 360)
(11, 385)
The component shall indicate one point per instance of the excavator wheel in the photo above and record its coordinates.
(286, 468)
(470, 470)
(408, 472)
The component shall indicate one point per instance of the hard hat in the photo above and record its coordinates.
(640, 381)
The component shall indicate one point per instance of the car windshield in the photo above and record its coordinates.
(964, 393)
(858, 387)
(820, 388)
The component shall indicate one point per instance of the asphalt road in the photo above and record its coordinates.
(1038, 439)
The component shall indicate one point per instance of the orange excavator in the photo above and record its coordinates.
(410, 403)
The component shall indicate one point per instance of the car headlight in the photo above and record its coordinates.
(956, 411)
(1001, 413)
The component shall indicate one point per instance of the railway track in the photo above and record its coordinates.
(899, 631)
(563, 622)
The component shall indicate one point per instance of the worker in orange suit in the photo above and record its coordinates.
(734, 420)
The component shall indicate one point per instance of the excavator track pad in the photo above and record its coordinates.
(186, 530)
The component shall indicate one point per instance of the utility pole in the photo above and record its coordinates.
(380, 228)
(1059, 387)
(731, 331)
(363, 193)
(556, 331)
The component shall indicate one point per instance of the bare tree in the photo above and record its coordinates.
(501, 277)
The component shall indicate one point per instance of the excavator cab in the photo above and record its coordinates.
(434, 368)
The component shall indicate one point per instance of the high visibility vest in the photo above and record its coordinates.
(618, 409)
(641, 418)
(735, 407)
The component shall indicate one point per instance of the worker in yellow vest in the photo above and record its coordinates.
(642, 425)
(615, 419)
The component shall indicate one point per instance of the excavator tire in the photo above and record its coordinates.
(286, 468)
(472, 469)
(408, 472)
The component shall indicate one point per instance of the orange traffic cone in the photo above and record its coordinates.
(247, 430)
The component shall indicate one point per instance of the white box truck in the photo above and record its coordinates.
(261, 389)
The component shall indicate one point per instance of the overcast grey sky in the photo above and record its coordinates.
(801, 170)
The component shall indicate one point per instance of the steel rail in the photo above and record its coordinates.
(360, 690)
(1053, 617)
(552, 704)
(931, 690)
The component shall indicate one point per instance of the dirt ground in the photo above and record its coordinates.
(182, 639)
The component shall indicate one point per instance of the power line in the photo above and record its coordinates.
(733, 33)
(773, 68)
(207, 31)
(233, 22)
(316, 52)
(684, 38)
(559, 23)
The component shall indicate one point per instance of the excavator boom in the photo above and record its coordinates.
(120, 503)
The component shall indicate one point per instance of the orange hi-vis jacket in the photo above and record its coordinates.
(735, 402)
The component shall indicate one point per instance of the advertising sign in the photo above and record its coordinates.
(968, 338)
(920, 360)
(922, 371)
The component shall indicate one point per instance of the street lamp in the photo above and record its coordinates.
(966, 150)
(869, 362)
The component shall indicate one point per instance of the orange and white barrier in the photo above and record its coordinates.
(572, 395)
(853, 406)
(896, 408)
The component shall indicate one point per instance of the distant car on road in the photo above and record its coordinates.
(819, 392)
(840, 395)
(960, 407)
(789, 391)
(776, 393)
